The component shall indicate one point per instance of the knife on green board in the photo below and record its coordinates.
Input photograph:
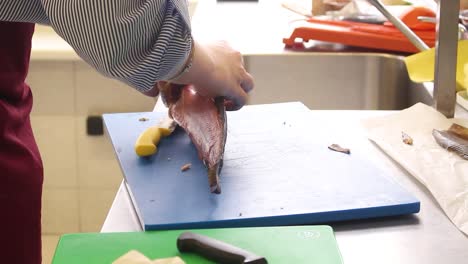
(216, 250)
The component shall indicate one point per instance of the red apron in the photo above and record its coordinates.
(20, 163)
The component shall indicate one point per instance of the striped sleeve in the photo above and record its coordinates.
(23, 11)
(135, 41)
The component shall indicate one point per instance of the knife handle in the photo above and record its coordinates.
(146, 144)
(213, 249)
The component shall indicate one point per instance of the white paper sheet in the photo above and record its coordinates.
(444, 173)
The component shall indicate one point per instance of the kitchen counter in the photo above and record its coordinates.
(427, 237)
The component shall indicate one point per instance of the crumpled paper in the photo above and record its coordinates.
(444, 173)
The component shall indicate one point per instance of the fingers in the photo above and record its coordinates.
(218, 71)
(247, 84)
(236, 100)
(238, 97)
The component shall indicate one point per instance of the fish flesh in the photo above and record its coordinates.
(204, 120)
(406, 138)
(459, 130)
(338, 148)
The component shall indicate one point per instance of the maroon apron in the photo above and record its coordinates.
(20, 163)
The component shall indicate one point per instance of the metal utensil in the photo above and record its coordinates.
(400, 25)
(461, 28)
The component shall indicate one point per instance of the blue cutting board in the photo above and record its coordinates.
(277, 171)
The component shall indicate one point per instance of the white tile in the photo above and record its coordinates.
(99, 173)
(49, 244)
(60, 213)
(52, 85)
(94, 206)
(97, 163)
(96, 94)
(56, 138)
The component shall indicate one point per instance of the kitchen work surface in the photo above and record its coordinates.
(385, 36)
(277, 170)
(299, 244)
(443, 172)
(428, 237)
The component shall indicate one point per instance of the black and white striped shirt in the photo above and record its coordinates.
(136, 41)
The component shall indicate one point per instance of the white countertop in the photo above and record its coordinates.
(427, 237)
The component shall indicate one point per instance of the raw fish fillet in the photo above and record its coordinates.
(204, 120)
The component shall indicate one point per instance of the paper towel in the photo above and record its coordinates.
(444, 173)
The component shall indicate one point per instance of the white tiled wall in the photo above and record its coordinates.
(60, 211)
(52, 84)
(49, 243)
(56, 138)
(93, 203)
(97, 94)
(81, 174)
(97, 165)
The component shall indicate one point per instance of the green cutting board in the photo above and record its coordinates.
(281, 245)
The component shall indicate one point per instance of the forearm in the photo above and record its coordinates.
(137, 42)
(201, 63)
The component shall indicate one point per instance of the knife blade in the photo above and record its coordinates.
(216, 250)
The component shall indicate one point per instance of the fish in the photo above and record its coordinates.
(204, 120)
(451, 141)
(338, 148)
(459, 130)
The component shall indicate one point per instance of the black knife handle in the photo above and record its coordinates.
(216, 250)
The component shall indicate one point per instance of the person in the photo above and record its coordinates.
(136, 42)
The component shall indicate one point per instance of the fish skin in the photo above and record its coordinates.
(449, 140)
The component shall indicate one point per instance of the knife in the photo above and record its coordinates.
(147, 142)
(215, 250)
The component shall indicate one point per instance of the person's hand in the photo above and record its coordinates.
(218, 70)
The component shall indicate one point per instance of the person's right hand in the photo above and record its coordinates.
(218, 70)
